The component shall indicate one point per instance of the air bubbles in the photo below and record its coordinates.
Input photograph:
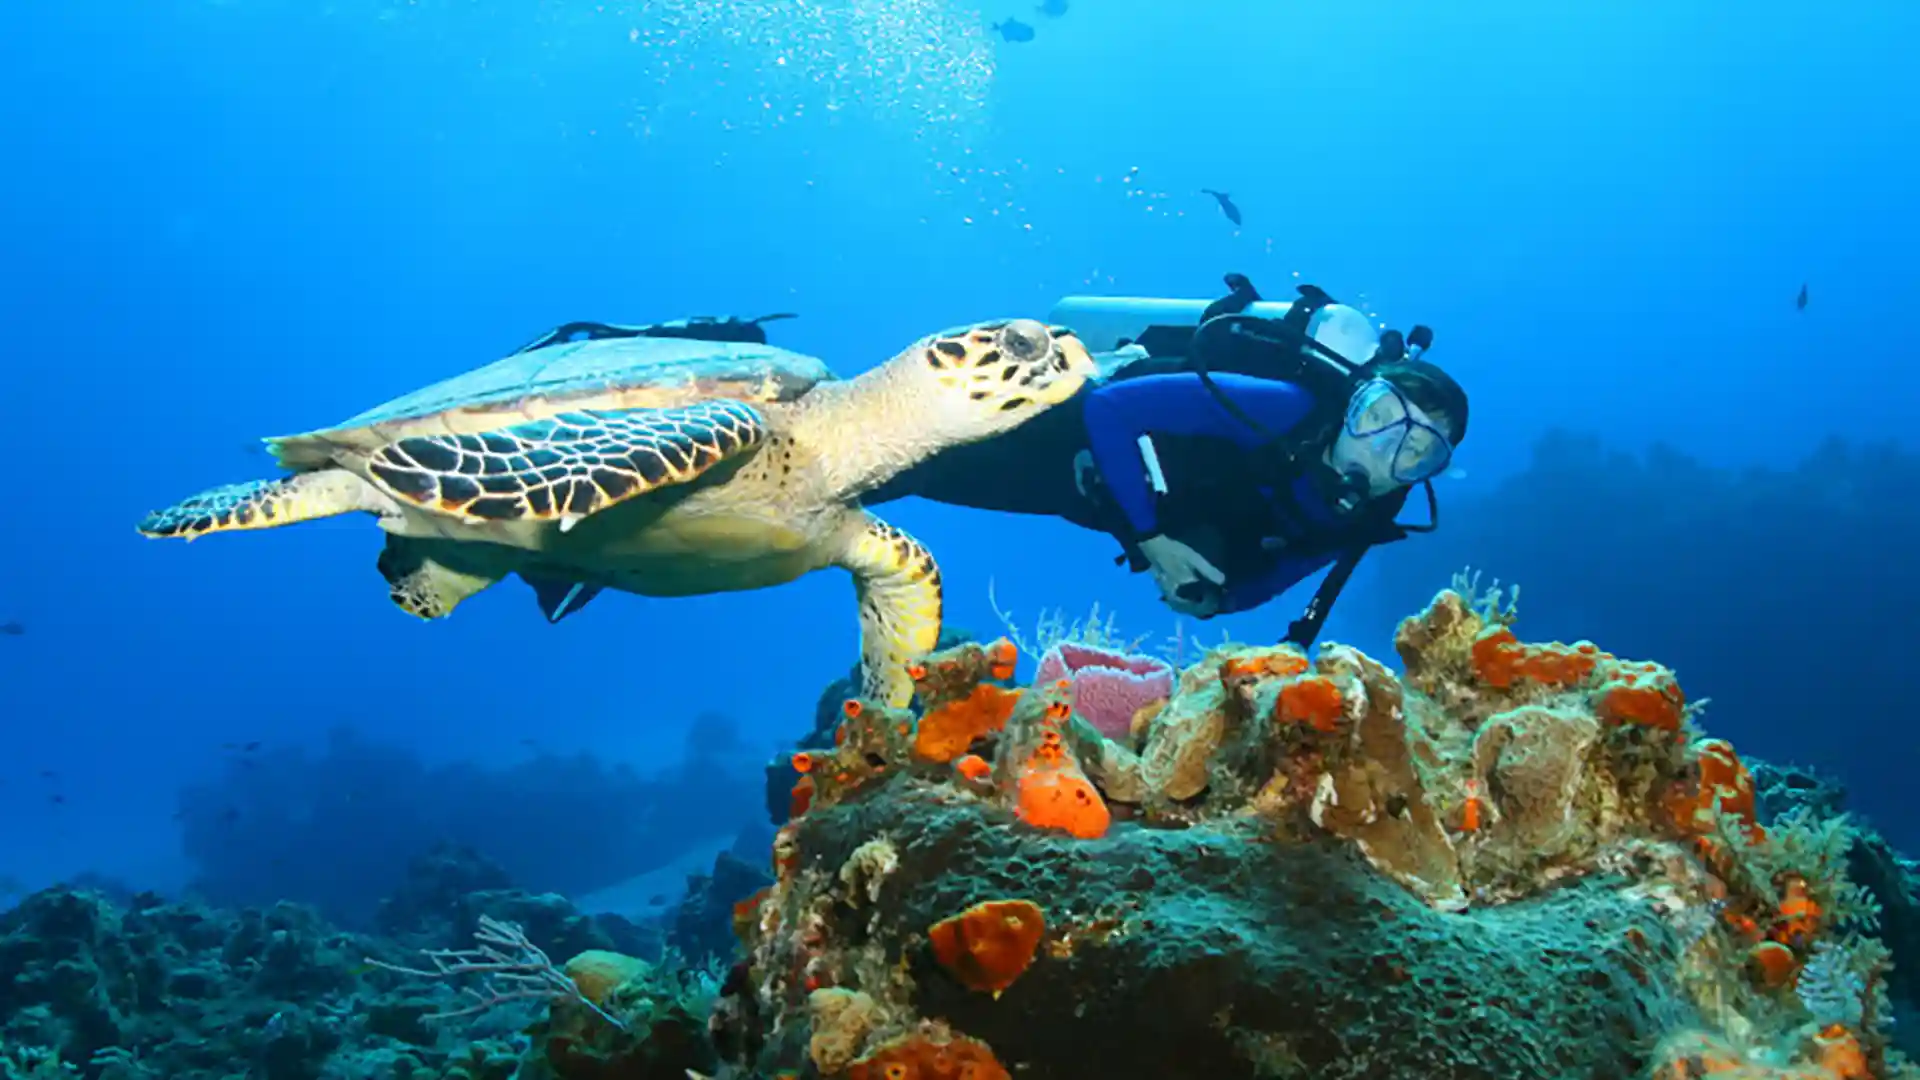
(917, 64)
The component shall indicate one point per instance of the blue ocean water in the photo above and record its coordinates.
(225, 220)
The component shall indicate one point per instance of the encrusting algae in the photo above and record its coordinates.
(1513, 859)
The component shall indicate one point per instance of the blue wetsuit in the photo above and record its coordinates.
(1181, 405)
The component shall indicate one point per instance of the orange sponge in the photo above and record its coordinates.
(1774, 965)
(990, 944)
(1723, 779)
(1500, 660)
(1055, 794)
(1062, 797)
(917, 1057)
(1645, 694)
(946, 731)
(1314, 701)
(1282, 661)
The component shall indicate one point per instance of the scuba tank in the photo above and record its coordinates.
(1168, 329)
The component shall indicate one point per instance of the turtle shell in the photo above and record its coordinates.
(614, 373)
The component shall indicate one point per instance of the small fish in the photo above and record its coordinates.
(1800, 302)
(1226, 204)
(12, 629)
(1013, 30)
(1052, 9)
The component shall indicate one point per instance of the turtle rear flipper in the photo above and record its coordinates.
(423, 586)
(898, 587)
(560, 597)
(265, 504)
(568, 466)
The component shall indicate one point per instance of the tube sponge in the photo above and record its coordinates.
(1109, 686)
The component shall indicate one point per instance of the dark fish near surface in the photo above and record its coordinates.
(1226, 204)
(1051, 8)
(1014, 30)
(1800, 304)
(12, 629)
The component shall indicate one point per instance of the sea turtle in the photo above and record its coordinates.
(660, 466)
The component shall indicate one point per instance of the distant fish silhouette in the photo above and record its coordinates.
(12, 629)
(1226, 204)
(1053, 9)
(1800, 303)
(1014, 30)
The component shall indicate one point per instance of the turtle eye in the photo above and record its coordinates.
(1025, 340)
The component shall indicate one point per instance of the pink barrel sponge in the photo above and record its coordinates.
(1108, 686)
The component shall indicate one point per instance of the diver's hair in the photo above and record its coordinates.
(1433, 390)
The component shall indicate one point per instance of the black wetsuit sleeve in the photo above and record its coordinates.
(1118, 414)
(1289, 570)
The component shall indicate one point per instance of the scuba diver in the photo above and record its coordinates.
(1233, 448)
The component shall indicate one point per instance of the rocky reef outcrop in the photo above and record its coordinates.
(1512, 860)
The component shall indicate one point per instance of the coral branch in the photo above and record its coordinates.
(510, 968)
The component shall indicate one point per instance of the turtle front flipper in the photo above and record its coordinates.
(567, 466)
(898, 587)
(423, 586)
(265, 504)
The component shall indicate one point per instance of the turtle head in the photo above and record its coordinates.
(996, 376)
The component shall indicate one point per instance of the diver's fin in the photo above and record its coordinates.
(558, 597)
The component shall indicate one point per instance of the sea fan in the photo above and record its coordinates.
(1842, 984)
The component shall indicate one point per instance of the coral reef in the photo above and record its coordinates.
(1714, 570)
(1512, 860)
(152, 988)
(780, 773)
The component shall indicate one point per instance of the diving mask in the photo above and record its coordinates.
(1387, 440)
